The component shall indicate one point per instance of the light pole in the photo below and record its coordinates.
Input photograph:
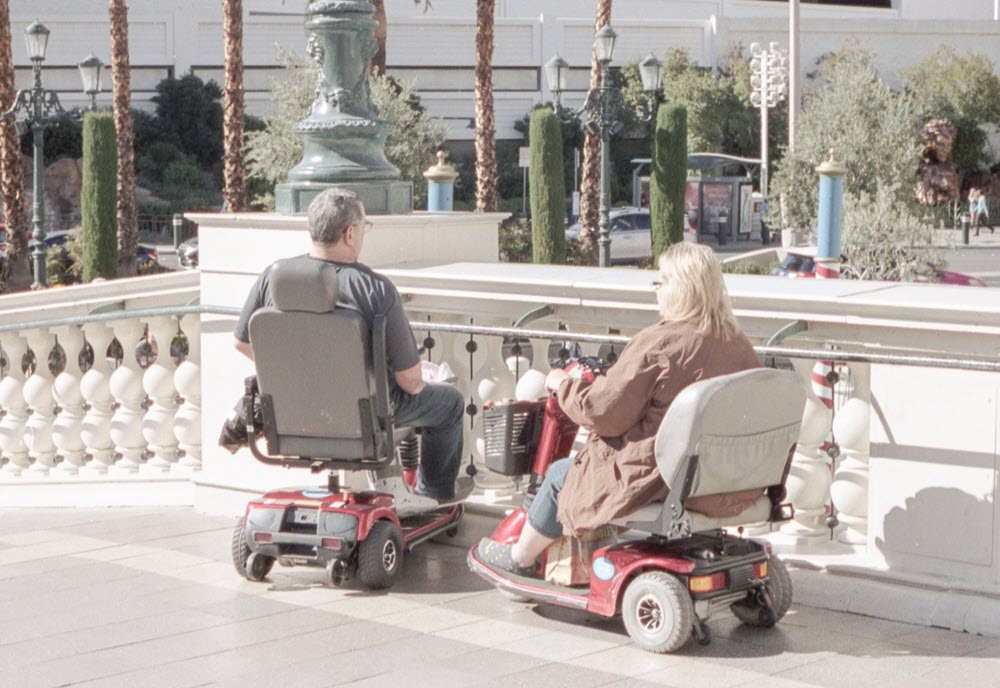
(768, 71)
(601, 107)
(40, 108)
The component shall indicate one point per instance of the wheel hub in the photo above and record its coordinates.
(650, 614)
(389, 555)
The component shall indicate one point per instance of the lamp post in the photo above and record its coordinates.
(601, 107)
(768, 71)
(40, 107)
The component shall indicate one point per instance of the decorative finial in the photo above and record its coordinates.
(832, 167)
(442, 171)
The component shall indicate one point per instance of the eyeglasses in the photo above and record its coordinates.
(656, 284)
(368, 226)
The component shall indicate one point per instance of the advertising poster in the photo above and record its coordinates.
(691, 205)
(746, 211)
(717, 208)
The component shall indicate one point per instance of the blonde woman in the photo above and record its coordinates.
(974, 209)
(615, 473)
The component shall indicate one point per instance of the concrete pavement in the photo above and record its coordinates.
(130, 597)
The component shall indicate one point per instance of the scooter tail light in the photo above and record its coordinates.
(262, 537)
(716, 581)
(760, 569)
(332, 543)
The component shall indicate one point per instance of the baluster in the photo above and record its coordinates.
(158, 383)
(531, 386)
(809, 478)
(38, 397)
(187, 380)
(126, 388)
(850, 482)
(66, 430)
(14, 451)
(96, 391)
(451, 348)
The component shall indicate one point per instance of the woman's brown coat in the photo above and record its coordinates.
(615, 473)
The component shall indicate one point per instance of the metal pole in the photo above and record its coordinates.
(38, 187)
(604, 238)
(793, 71)
(764, 79)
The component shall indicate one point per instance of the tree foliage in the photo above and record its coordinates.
(98, 196)
(274, 150)
(962, 89)
(669, 178)
(548, 193)
(872, 129)
(190, 116)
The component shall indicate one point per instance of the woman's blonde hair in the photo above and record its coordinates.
(693, 290)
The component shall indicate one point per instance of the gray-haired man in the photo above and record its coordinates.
(337, 226)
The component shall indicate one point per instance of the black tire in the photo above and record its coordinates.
(380, 556)
(657, 612)
(241, 554)
(779, 586)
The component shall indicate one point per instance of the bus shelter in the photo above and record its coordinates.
(717, 205)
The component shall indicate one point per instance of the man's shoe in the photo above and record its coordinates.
(500, 556)
(463, 488)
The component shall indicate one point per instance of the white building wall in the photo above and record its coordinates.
(436, 48)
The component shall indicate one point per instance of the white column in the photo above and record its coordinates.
(187, 380)
(14, 452)
(850, 482)
(126, 388)
(96, 392)
(158, 383)
(66, 430)
(38, 397)
(809, 478)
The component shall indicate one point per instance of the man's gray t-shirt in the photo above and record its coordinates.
(359, 288)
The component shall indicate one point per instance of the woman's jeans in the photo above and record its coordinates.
(438, 410)
(543, 512)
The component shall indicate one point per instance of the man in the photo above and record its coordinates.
(337, 227)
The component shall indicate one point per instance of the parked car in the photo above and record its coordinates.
(629, 233)
(800, 262)
(187, 254)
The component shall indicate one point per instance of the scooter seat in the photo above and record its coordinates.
(648, 518)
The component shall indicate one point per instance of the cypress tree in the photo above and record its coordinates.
(548, 188)
(98, 197)
(669, 178)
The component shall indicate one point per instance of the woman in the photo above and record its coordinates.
(983, 211)
(974, 209)
(615, 473)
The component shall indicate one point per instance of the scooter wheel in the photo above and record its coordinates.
(247, 563)
(779, 588)
(380, 556)
(657, 612)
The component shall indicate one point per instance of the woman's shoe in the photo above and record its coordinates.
(500, 556)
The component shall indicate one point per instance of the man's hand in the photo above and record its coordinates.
(410, 380)
(243, 347)
(555, 378)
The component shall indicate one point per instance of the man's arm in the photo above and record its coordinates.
(410, 380)
(243, 347)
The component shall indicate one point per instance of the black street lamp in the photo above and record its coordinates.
(41, 107)
(602, 106)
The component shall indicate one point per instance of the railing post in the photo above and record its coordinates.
(15, 453)
(126, 388)
(96, 391)
(158, 383)
(187, 380)
(849, 490)
(66, 390)
(38, 396)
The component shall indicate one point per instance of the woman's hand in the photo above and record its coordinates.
(555, 378)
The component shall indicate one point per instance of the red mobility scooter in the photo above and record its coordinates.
(673, 568)
(322, 387)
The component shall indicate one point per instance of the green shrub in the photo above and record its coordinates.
(64, 264)
(63, 139)
(98, 197)
(747, 267)
(155, 160)
(182, 175)
(515, 240)
(548, 193)
(190, 116)
(669, 178)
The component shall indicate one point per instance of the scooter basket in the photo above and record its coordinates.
(510, 432)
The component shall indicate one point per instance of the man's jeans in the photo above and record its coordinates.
(438, 410)
(544, 509)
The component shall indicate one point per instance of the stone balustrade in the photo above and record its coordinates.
(101, 392)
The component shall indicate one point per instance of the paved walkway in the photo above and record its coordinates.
(148, 597)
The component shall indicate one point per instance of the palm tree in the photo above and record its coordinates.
(378, 62)
(590, 184)
(486, 153)
(235, 191)
(16, 270)
(121, 78)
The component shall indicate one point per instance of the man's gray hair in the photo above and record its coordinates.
(331, 213)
